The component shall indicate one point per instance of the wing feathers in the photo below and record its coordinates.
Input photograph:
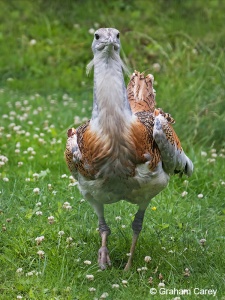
(173, 157)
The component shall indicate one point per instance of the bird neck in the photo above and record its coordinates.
(111, 110)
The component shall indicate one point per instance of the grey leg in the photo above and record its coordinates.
(103, 252)
(137, 227)
(104, 230)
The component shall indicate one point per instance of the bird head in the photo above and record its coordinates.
(107, 41)
(106, 47)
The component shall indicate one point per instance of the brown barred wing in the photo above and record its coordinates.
(173, 157)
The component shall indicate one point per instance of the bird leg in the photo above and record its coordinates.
(137, 227)
(103, 252)
(104, 230)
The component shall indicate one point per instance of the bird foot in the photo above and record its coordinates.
(128, 266)
(103, 258)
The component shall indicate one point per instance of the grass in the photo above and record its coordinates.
(44, 90)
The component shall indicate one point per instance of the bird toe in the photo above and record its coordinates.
(103, 258)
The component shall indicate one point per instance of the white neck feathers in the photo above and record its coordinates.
(111, 113)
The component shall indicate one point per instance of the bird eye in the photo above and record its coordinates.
(97, 36)
(118, 35)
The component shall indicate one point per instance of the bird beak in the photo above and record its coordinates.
(112, 43)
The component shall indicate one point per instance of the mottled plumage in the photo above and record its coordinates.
(128, 149)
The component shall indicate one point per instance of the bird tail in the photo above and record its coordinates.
(141, 94)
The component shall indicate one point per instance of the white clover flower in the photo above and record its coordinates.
(200, 196)
(91, 30)
(61, 233)
(54, 192)
(203, 153)
(156, 67)
(87, 262)
(187, 272)
(33, 42)
(17, 128)
(31, 273)
(20, 163)
(147, 259)
(71, 178)
(128, 254)
(139, 270)
(90, 277)
(27, 179)
(41, 253)
(5, 179)
(37, 273)
(161, 285)
(36, 190)
(19, 297)
(38, 204)
(19, 270)
(115, 286)
(104, 295)
(8, 136)
(51, 220)
(39, 239)
(92, 289)
(69, 207)
(186, 182)
(202, 242)
(144, 268)
(124, 282)
(65, 204)
(211, 160)
(184, 194)
(69, 239)
(64, 176)
(118, 218)
(39, 213)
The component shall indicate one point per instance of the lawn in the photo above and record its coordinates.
(49, 238)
